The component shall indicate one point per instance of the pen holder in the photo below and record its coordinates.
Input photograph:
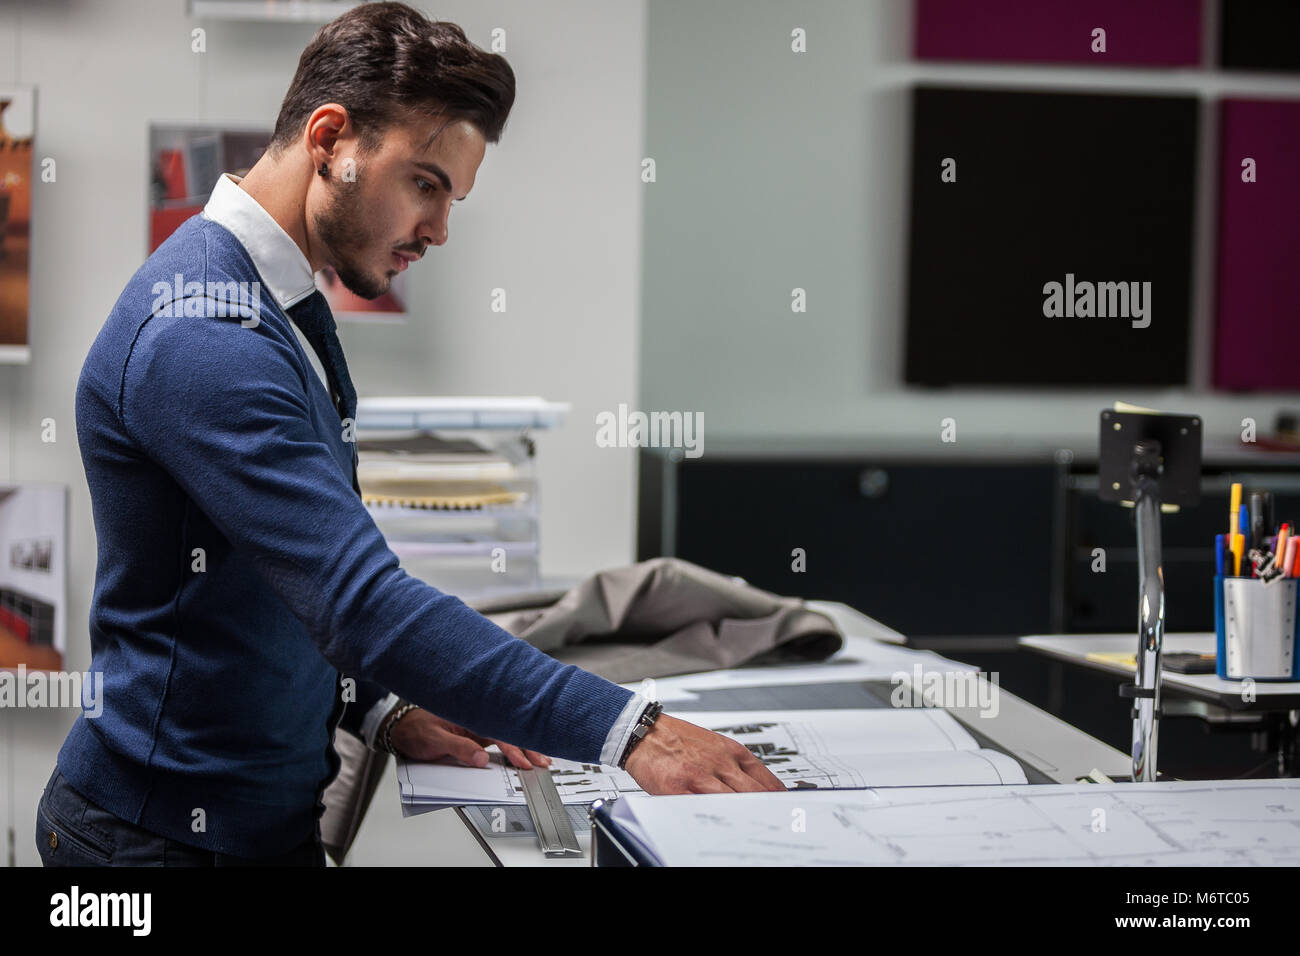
(1257, 629)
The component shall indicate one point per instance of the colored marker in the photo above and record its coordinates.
(1238, 551)
(1260, 511)
(1280, 547)
(1233, 507)
(1288, 560)
(1218, 555)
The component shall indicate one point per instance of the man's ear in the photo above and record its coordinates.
(326, 126)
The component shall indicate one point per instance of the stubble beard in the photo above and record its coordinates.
(338, 227)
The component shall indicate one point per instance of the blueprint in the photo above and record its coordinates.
(1181, 823)
(805, 749)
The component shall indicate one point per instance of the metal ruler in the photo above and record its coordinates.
(551, 820)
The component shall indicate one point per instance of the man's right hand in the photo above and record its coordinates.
(678, 757)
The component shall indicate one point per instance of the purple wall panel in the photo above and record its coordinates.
(1257, 333)
(1149, 33)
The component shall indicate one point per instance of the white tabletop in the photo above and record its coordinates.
(1076, 648)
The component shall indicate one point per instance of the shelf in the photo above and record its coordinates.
(303, 11)
(424, 412)
(461, 549)
(493, 512)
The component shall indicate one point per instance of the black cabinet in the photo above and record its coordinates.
(959, 549)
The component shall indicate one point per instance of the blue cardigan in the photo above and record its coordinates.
(238, 573)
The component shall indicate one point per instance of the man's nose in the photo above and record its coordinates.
(434, 231)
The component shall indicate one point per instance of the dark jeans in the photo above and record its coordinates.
(72, 831)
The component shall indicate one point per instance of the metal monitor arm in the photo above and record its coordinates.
(1147, 469)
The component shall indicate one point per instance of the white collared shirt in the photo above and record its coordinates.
(287, 275)
(285, 271)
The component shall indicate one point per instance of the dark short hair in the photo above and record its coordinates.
(382, 61)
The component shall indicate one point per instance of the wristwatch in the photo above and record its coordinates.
(648, 717)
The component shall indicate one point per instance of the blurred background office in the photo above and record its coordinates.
(824, 230)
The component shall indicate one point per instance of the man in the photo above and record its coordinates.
(238, 571)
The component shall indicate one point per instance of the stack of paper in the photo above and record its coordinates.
(806, 749)
(434, 473)
(1183, 823)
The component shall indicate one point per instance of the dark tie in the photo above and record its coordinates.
(313, 316)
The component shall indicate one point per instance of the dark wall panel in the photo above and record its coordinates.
(1050, 187)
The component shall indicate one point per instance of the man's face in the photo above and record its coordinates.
(372, 227)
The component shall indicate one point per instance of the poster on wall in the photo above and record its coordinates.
(17, 172)
(184, 164)
(33, 575)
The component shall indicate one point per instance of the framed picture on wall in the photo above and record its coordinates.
(33, 575)
(17, 174)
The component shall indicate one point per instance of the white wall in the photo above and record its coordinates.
(554, 218)
(778, 170)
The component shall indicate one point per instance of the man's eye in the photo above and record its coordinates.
(424, 185)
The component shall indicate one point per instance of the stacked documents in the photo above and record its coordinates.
(806, 749)
(428, 471)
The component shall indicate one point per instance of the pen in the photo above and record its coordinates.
(1238, 550)
(1218, 555)
(1259, 518)
(1234, 504)
(1288, 560)
(1280, 547)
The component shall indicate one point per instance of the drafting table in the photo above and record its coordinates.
(1048, 749)
(1205, 696)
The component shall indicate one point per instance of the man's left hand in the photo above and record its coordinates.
(420, 735)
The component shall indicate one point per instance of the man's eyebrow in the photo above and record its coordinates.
(437, 171)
